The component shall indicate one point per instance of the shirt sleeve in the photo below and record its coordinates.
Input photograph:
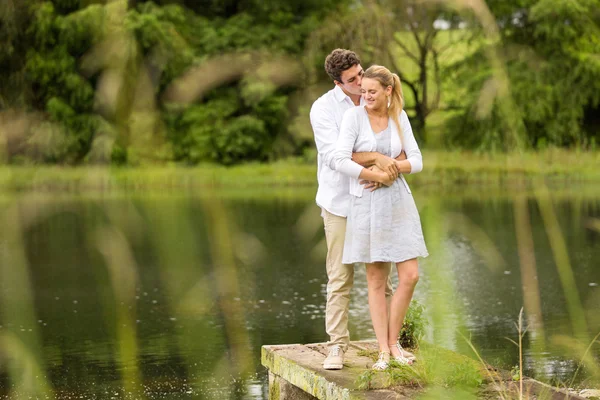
(411, 148)
(345, 144)
(326, 132)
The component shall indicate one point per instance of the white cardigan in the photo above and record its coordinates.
(356, 135)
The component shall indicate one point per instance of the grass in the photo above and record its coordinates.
(446, 170)
(441, 373)
(436, 367)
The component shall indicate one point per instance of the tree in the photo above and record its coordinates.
(96, 75)
(14, 18)
(550, 51)
(403, 35)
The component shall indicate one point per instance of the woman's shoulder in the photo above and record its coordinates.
(353, 116)
(403, 114)
(353, 112)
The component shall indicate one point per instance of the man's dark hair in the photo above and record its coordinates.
(338, 61)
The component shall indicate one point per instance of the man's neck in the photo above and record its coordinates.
(354, 97)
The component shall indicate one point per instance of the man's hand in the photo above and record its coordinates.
(389, 181)
(388, 165)
(370, 184)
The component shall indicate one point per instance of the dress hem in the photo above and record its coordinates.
(386, 261)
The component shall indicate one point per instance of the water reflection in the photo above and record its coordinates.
(170, 296)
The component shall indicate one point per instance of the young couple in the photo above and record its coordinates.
(365, 143)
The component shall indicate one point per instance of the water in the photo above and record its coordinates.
(171, 295)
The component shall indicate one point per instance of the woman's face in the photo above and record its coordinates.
(375, 95)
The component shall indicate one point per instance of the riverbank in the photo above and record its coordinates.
(443, 170)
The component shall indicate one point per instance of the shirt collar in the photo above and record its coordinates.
(341, 96)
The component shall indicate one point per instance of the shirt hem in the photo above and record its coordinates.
(331, 212)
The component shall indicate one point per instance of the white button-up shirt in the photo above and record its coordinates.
(326, 118)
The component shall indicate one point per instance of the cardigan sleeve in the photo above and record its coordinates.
(411, 148)
(345, 144)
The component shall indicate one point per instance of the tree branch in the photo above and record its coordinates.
(431, 34)
(414, 27)
(438, 80)
(411, 55)
(449, 44)
(412, 87)
(451, 108)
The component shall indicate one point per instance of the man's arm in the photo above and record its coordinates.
(366, 158)
(401, 156)
(369, 158)
(326, 132)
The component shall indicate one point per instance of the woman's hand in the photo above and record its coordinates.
(375, 174)
(387, 165)
(385, 178)
(403, 166)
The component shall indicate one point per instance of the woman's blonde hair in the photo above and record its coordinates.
(386, 78)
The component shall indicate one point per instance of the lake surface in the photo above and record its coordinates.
(171, 295)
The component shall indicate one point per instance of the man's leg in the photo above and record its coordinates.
(340, 279)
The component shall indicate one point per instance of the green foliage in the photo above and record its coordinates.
(551, 58)
(55, 54)
(214, 131)
(240, 120)
(515, 373)
(365, 380)
(413, 328)
(59, 88)
(435, 366)
(118, 156)
(156, 30)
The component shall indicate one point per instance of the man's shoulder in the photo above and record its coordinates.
(326, 101)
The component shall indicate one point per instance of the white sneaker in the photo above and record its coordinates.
(335, 359)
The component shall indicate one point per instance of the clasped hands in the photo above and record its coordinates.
(388, 166)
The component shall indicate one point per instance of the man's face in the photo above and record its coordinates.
(351, 79)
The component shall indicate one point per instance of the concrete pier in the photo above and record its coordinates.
(296, 373)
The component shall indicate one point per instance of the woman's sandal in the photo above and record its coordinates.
(383, 362)
(402, 359)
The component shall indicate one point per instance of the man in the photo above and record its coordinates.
(343, 66)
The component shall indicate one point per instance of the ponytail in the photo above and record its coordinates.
(396, 103)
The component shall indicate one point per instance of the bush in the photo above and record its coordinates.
(413, 328)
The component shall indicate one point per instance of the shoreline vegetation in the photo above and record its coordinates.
(444, 171)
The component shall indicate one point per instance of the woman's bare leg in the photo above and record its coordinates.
(377, 275)
(408, 276)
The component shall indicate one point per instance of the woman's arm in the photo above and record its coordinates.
(343, 154)
(414, 159)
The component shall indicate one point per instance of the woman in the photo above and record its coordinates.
(383, 225)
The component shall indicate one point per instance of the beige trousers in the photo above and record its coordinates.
(340, 280)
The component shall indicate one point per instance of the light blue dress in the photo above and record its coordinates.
(384, 225)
